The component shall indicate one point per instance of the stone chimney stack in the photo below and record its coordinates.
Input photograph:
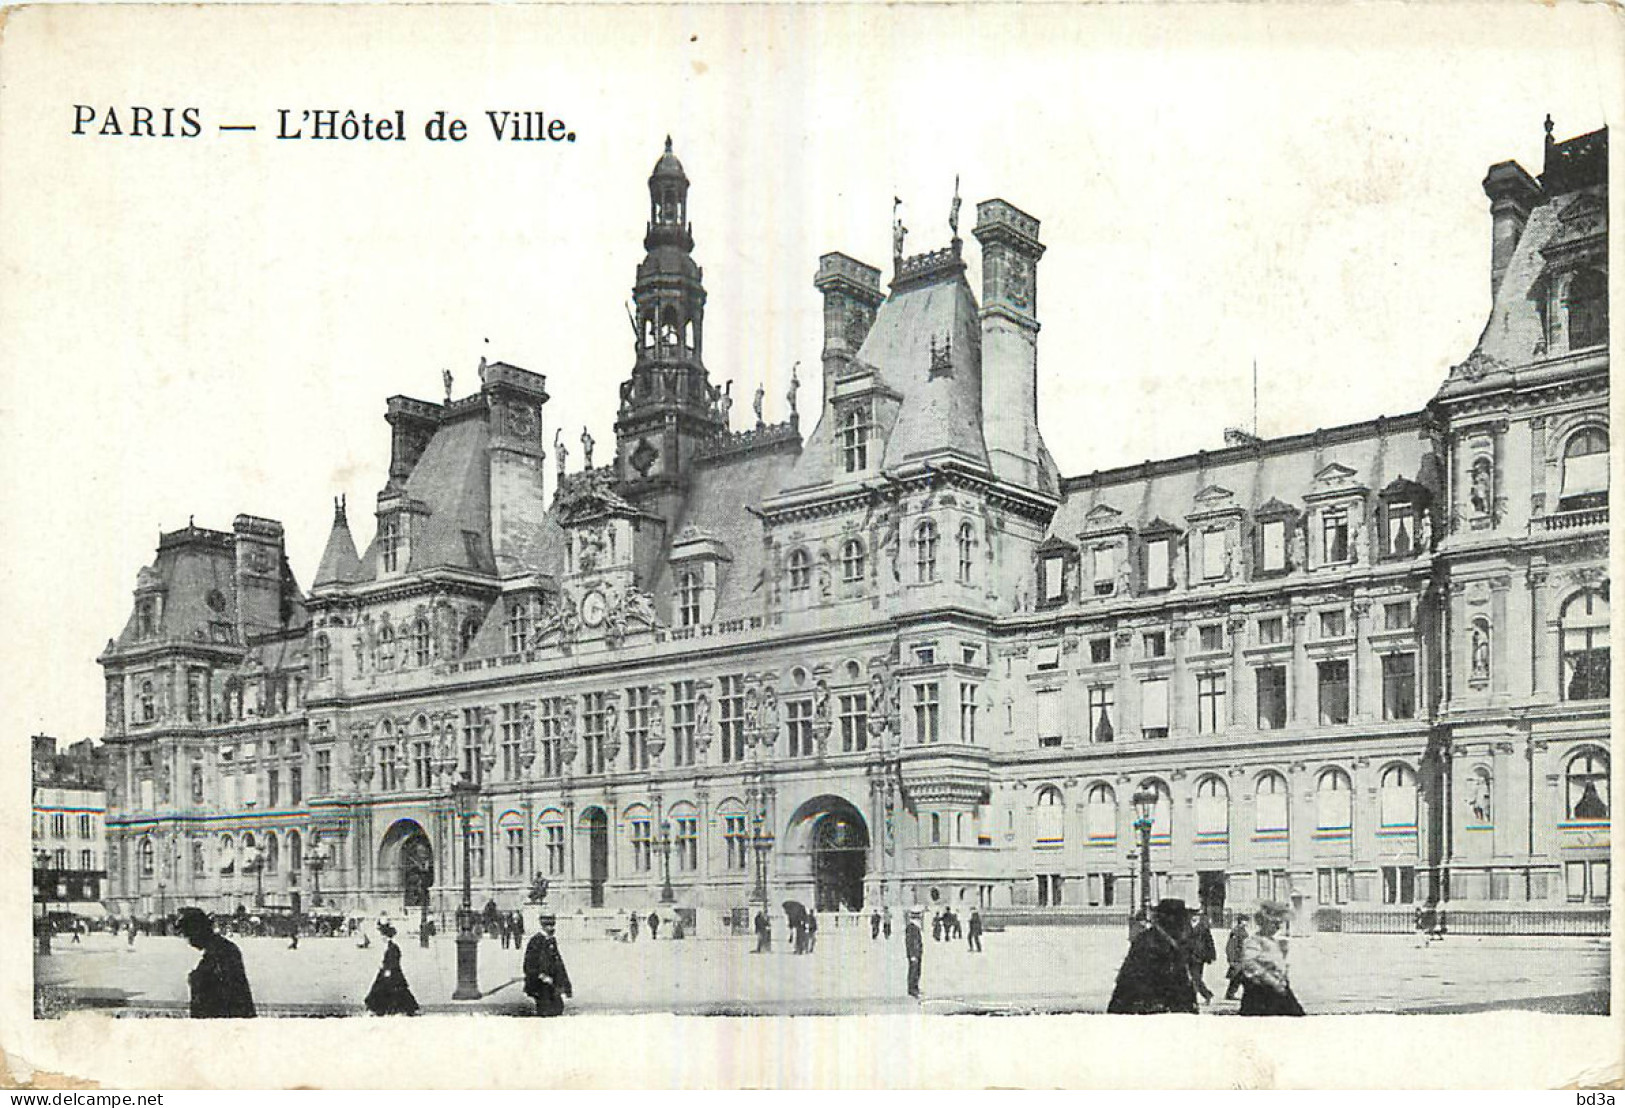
(258, 557)
(1513, 193)
(851, 296)
(1010, 254)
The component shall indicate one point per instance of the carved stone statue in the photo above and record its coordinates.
(1424, 533)
(1482, 496)
(770, 715)
(898, 231)
(725, 402)
(795, 386)
(1481, 652)
(586, 448)
(1478, 799)
(953, 210)
(761, 395)
(560, 452)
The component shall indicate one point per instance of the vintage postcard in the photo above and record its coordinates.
(761, 532)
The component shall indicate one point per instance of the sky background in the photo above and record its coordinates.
(197, 328)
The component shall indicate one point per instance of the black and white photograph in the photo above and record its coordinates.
(857, 516)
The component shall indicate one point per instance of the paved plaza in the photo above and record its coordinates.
(1044, 969)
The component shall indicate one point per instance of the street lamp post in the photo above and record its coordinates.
(256, 866)
(1145, 803)
(465, 795)
(667, 896)
(763, 843)
(42, 896)
(317, 861)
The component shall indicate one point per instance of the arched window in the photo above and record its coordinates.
(1102, 808)
(272, 852)
(465, 638)
(197, 858)
(420, 641)
(148, 710)
(296, 852)
(967, 552)
(853, 438)
(925, 552)
(321, 656)
(959, 828)
(1587, 786)
(1585, 470)
(1588, 309)
(688, 599)
(149, 857)
(1333, 810)
(668, 327)
(1397, 798)
(386, 648)
(1049, 817)
(1162, 824)
(1585, 646)
(852, 561)
(227, 855)
(800, 570)
(1212, 808)
(936, 829)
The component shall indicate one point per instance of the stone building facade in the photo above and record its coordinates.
(68, 833)
(899, 657)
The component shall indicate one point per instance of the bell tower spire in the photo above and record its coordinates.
(668, 405)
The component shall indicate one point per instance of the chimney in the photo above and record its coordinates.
(1010, 254)
(258, 558)
(1512, 194)
(851, 296)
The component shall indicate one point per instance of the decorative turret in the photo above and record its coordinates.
(340, 563)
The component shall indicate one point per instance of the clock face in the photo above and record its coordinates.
(592, 608)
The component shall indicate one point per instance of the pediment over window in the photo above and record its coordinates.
(1159, 526)
(697, 543)
(1055, 545)
(1404, 490)
(1103, 518)
(1213, 495)
(1275, 508)
(1333, 475)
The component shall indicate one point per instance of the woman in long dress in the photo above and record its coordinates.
(390, 995)
(1266, 989)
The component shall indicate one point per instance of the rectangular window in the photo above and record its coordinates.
(386, 767)
(84, 826)
(1100, 650)
(1335, 535)
(518, 625)
(1210, 636)
(731, 717)
(1574, 879)
(1101, 722)
(682, 723)
(553, 837)
(1272, 538)
(637, 728)
(1271, 630)
(550, 735)
(514, 839)
(1213, 553)
(1399, 686)
(1049, 717)
(1599, 882)
(1048, 658)
(593, 722)
(1157, 568)
(641, 845)
(1054, 577)
(733, 834)
(1210, 689)
(473, 734)
(967, 711)
(1333, 625)
(1399, 884)
(854, 724)
(1332, 885)
(1334, 692)
(197, 784)
(1271, 682)
(86, 862)
(476, 851)
(798, 718)
(1155, 643)
(422, 764)
(925, 655)
(296, 785)
(59, 825)
(324, 772)
(925, 712)
(273, 785)
(1154, 709)
(389, 543)
(1396, 617)
(687, 844)
(1105, 570)
(513, 739)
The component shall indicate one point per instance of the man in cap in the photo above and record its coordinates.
(914, 948)
(546, 979)
(1155, 976)
(218, 983)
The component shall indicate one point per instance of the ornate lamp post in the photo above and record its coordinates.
(465, 796)
(667, 896)
(763, 843)
(42, 897)
(317, 861)
(1145, 803)
(256, 866)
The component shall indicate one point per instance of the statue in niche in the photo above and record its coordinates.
(1478, 800)
(1424, 533)
(1481, 651)
(1481, 494)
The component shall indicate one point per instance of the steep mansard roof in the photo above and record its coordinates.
(340, 564)
(451, 484)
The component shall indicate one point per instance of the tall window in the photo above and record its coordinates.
(1334, 535)
(798, 720)
(1400, 539)
(513, 736)
(1334, 692)
(1333, 794)
(1101, 805)
(642, 845)
(682, 723)
(473, 739)
(148, 858)
(273, 781)
(1049, 817)
(420, 642)
(145, 700)
(967, 552)
(422, 765)
(800, 570)
(1212, 807)
(851, 561)
(1585, 646)
(854, 722)
(731, 717)
(1272, 545)
(1105, 582)
(518, 625)
(514, 841)
(1270, 795)
(321, 656)
(476, 852)
(1052, 571)
(1154, 708)
(926, 709)
(1588, 309)
(1585, 470)
(1100, 714)
(968, 693)
(1048, 703)
(324, 772)
(389, 543)
(1213, 553)
(688, 599)
(1587, 780)
(686, 843)
(593, 723)
(1158, 564)
(733, 836)
(387, 774)
(637, 728)
(854, 438)
(1271, 682)
(553, 843)
(1210, 689)
(925, 552)
(549, 735)
(1399, 686)
(386, 661)
(1397, 798)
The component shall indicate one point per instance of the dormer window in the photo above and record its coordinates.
(147, 618)
(852, 561)
(146, 704)
(800, 571)
(1054, 578)
(1400, 537)
(1588, 309)
(1585, 470)
(1105, 570)
(518, 625)
(1213, 553)
(1272, 543)
(420, 642)
(925, 552)
(967, 552)
(389, 543)
(688, 599)
(1335, 535)
(1158, 564)
(465, 638)
(853, 438)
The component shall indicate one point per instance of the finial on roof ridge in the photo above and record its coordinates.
(668, 144)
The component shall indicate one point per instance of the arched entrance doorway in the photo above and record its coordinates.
(595, 824)
(838, 840)
(406, 862)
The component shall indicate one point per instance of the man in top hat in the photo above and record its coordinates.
(914, 948)
(1155, 976)
(546, 979)
(218, 983)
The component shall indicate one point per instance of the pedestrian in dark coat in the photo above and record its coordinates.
(874, 924)
(1202, 952)
(764, 934)
(1233, 947)
(219, 986)
(632, 927)
(1155, 976)
(390, 995)
(654, 926)
(1266, 989)
(974, 940)
(885, 923)
(546, 979)
(914, 949)
(936, 928)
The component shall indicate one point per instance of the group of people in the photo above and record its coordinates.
(1163, 971)
(510, 928)
(634, 922)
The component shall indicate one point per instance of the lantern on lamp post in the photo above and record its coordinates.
(1145, 805)
(763, 844)
(465, 796)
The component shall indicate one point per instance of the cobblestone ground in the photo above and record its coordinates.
(1020, 970)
